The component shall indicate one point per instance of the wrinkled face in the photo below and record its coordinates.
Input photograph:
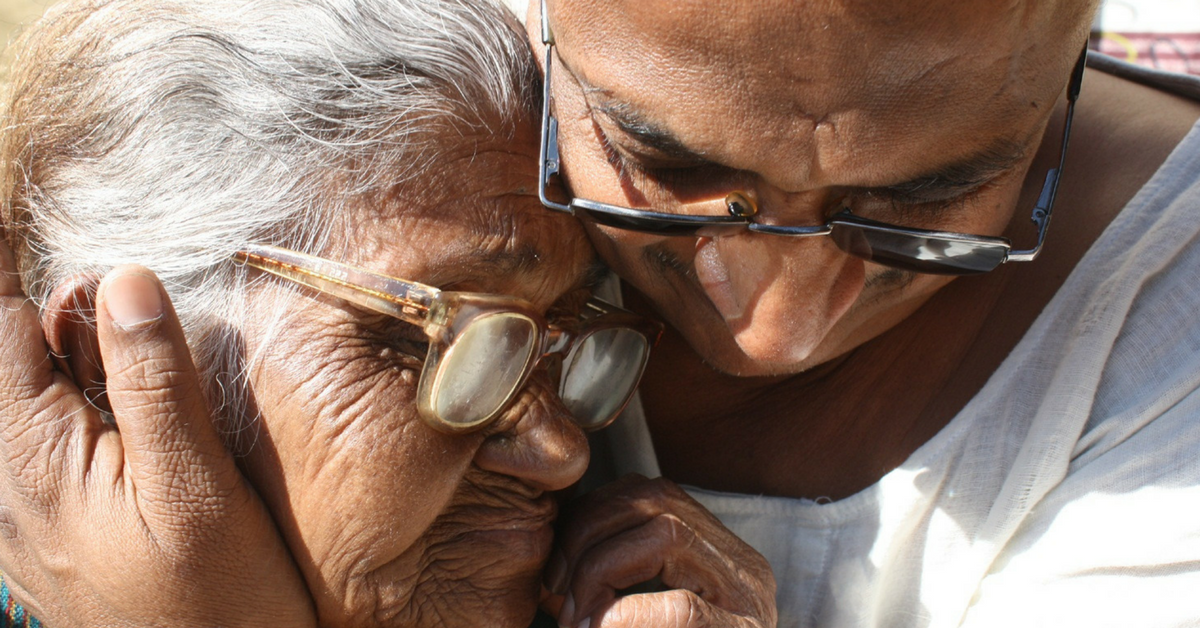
(914, 113)
(391, 522)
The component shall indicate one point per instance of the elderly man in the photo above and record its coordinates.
(793, 187)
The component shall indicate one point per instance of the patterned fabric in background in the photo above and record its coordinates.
(13, 615)
(1173, 52)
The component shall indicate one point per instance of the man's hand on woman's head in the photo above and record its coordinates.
(637, 530)
(143, 522)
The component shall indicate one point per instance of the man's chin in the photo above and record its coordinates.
(729, 357)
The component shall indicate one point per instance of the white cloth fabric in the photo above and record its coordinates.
(1066, 493)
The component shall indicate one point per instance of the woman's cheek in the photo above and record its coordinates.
(351, 474)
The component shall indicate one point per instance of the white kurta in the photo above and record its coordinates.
(1066, 493)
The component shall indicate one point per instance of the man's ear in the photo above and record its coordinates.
(69, 322)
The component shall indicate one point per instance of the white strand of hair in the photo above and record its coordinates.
(172, 133)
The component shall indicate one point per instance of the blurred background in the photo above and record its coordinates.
(1156, 33)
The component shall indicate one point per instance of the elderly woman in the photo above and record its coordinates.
(340, 200)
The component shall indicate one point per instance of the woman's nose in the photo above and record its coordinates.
(542, 445)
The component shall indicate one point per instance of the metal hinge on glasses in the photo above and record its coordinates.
(552, 148)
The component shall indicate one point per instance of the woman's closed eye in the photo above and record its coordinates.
(408, 343)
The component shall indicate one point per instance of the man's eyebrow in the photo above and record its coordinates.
(962, 176)
(635, 125)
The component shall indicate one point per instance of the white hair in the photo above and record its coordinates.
(171, 133)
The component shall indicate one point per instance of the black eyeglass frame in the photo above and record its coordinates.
(975, 253)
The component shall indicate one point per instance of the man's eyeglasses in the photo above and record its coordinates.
(483, 347)
(918, 250)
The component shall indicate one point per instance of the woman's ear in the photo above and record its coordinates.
(69, 322)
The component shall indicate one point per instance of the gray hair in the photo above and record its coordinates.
(171, 133)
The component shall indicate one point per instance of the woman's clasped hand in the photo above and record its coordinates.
(636, 531)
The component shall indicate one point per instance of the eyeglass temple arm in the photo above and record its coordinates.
(407, 301)
(1045, 203)
(548, 153)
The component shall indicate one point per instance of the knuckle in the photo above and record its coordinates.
(663, 486)
(673, 531)
(652, 496)
(648, 495)
(686, 608)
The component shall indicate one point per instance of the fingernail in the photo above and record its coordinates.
(556, 573)
(567, 612)
(586, 623)
(133, 300)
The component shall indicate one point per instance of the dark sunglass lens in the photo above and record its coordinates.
(657, 223)
(640, 224)
(928, 254)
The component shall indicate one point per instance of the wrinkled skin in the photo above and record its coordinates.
(388, 521)
(815, 102)
(140, 521)
(638, 530)
(794, 369)
(391, 522)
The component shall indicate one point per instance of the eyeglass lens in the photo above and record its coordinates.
(656, 223)
(483, 367)
(601, 373)
(486, 363)
(908, 251)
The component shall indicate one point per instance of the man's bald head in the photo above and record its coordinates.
(830, 62)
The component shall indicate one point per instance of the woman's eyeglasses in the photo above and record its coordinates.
(483, 347)
(918, 250)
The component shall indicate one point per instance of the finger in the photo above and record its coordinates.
(39, 406)
(174, 452)
(669, 609)
(25, 368)
(550, 603)
(665, 548)
(629, 502)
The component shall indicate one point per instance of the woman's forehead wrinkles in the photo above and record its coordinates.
(505, 245)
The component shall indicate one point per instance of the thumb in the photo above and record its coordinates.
(676, 608)
(172, 449)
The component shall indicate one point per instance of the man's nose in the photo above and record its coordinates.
(543, 446)
(800, 209)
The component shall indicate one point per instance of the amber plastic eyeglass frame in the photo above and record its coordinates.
(918, 250)
(446, 316)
